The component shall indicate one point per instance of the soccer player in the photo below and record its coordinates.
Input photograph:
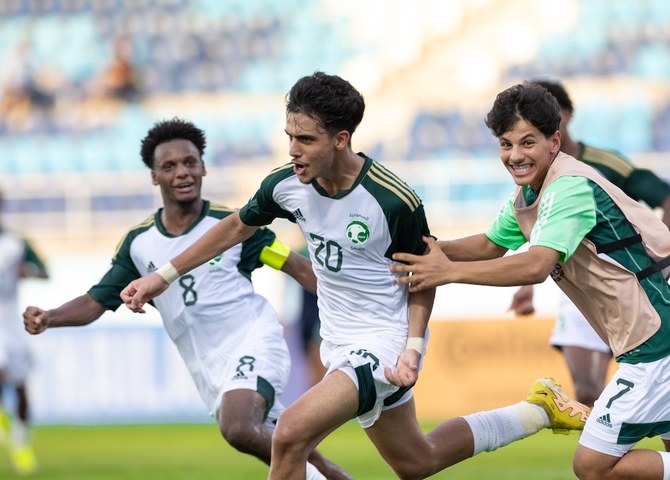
(607, 252)
(229, 337)
(586, 354)
(354, 214)
(18, 260)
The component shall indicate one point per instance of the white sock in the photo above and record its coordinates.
(313, 473)
(665, 456)
(19, 432)
(495, 428)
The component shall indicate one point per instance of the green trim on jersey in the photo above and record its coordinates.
(252, 214)
(565, 215)
(637, 183)
(31, 257)
(614, 166)
(251, 247)
(401, 206)
(393, 183)
(578, 208)
(123, 271)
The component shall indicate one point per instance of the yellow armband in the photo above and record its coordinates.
(275, 255)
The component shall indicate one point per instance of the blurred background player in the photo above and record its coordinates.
(586, 354)
(229, 337)
(17, 260)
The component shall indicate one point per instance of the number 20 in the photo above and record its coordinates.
(327, 253)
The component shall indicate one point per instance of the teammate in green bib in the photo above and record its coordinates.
(608, 253)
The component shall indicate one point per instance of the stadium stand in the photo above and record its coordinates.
(429, 72)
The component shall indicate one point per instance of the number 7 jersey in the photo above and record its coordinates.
(351, 237)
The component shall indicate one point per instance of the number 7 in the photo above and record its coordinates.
(628, 385)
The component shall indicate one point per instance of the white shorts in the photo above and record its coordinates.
(262, 363)
(635, 404)
(16, 357)
(365, 367)
(573, 330)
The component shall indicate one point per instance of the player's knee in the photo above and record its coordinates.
(288, 437)
(241, 436)
(412, 470)
(585, 471)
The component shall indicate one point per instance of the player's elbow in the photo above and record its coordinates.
(539, 262)
(537, 273)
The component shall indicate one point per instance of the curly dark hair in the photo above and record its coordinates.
(173, 129)
(557, 89)
(328, 99)
(528, 101)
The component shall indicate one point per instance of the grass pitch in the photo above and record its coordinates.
(190, 452)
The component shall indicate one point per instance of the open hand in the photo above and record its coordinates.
(427, 270)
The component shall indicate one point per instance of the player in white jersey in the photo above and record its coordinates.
(228, 336)
(355, 214)
(17, 260)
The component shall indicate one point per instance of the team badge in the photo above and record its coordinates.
(358, 232)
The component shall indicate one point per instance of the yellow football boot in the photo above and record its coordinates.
(23, 458)
(565, 414)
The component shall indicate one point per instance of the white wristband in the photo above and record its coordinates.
(168, 272)
(415, 343)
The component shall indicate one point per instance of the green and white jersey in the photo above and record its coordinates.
(637, 183)
(351, 237)
(206, 312)
(606, 241)
(15, 255)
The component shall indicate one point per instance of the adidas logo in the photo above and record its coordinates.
(151, 267)
(605, 420)
(240, 376)
(298, 215)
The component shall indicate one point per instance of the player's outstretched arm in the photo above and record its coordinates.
(228, 232)
(75, 313)
(435, 268)
(474, 247)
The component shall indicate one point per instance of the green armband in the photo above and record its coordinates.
(275, 255)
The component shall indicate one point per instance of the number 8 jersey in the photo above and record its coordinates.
(351, 237)
(210, 311)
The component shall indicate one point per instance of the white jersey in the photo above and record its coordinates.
(351, 237)
(16, 259)
(207, 312)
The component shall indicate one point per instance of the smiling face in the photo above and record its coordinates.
(312, 149)
(527, 153)
(178, 171)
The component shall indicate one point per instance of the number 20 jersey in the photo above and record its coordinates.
(351, 237)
